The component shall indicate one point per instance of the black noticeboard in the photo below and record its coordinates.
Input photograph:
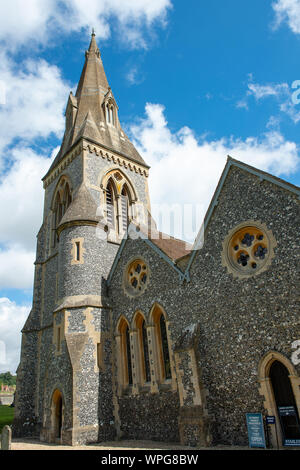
(289, 421)
(256, 432)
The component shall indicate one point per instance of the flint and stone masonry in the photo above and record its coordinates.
(145, 337)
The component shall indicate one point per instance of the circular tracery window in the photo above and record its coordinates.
(137, 277)
(248, 249)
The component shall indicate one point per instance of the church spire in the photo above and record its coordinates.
(93, 75)
(92, 114)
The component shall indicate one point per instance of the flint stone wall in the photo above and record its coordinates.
(240, 320)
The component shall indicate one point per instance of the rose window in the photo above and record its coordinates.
(137, 277)
(249, 249)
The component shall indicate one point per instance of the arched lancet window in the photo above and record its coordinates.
(63, 199)
(67, 196)
(125, 207)
(58, 209)
(107, 114)
(119, 199)
(143, 349)
(165, 347)
(125, 359)
(111, 205)
(162, 345)
(111, 111)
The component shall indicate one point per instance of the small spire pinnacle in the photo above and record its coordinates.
(93, 32)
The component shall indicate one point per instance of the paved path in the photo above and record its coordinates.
(28, 444)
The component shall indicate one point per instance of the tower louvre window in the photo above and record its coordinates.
(119, 197)
(110, 205)
(124, 206)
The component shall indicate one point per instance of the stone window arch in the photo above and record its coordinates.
(142, 349)
(161, 343)
(111, 204)
(126, 204)
(61, 201)
(125, 375)
(119, 201)
(110, 113)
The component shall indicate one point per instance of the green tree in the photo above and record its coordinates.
(7, 379)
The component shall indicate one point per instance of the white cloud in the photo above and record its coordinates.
(35, 98)
(186, 169)
(16, 268)
(282, 93)
(21, 213)
(37, 21)
(12, 320)
(134, 76)
(21, 195)
(263, 91)
(288, 11)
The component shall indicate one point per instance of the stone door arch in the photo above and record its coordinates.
(280, 386)
(57, 416)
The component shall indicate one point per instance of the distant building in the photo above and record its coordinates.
(143, 337)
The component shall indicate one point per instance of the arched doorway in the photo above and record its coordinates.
(280, 387)
(57, 415)
(285, 403)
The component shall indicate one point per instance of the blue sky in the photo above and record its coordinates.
(194, 81)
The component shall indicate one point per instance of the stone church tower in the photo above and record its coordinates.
(94, 187)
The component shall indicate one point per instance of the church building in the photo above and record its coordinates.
(137, 335)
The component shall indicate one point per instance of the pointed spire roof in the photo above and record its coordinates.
(85, 113)
(93, 80)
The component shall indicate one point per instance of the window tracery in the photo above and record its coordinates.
(248, 249)
(62, 201)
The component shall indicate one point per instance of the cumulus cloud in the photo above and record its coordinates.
(21, 195)
(285, 96)
(21, 213)
(185, 168)
(16, 267)
(287, 11)
(37, 21)
(35, 98)
(12, 320)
